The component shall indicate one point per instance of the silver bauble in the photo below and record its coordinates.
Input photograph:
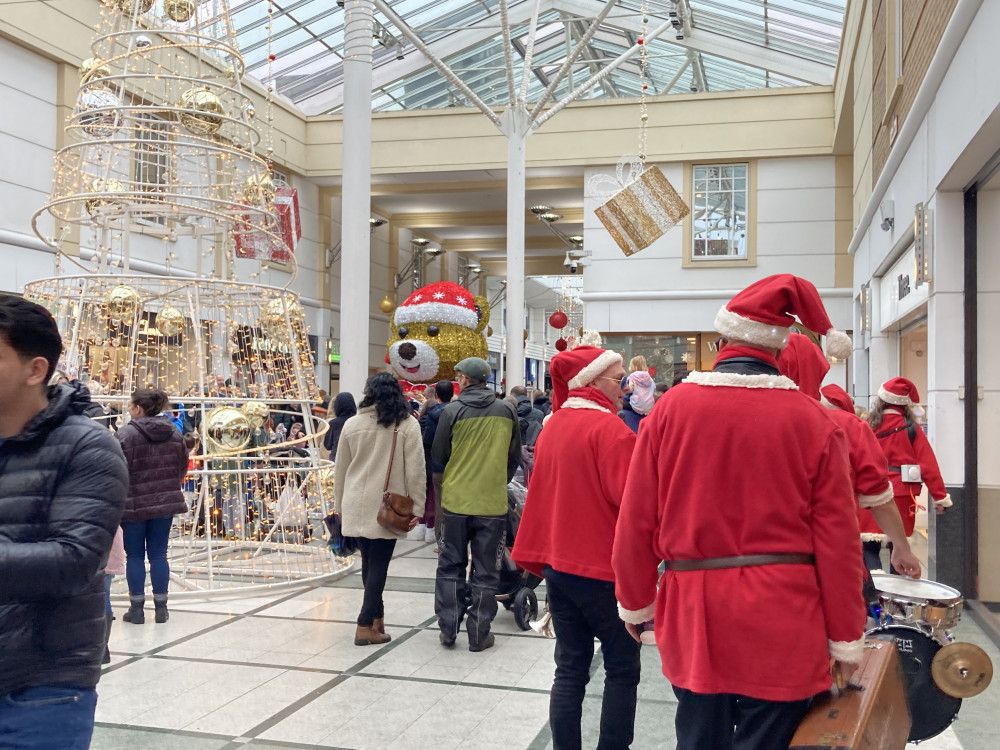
(142, 42)
(98, 111)
(256, 413)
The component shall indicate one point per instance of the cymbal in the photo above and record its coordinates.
(962, 670)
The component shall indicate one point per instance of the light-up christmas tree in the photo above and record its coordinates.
(163, 158)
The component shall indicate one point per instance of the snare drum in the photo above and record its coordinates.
(918, 601)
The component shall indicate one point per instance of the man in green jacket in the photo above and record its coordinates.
(478, 442)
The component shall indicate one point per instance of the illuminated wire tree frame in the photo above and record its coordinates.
(235, 355)
(162, 140)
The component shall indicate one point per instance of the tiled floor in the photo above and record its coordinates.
(282, 671)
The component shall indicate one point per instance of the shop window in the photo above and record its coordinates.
(668, 354)
(720, 229)
(150, 163)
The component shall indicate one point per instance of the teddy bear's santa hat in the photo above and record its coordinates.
(442, 302)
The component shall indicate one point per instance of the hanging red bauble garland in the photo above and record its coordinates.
(558, 319)
(560, 345)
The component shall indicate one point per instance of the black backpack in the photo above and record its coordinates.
(910, 427)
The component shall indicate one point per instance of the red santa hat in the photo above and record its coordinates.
(443, 302)
(804, 363)
(837, 397)
(899, 392)
(577, 368)
(765, 311)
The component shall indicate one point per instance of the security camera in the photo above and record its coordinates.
(887, 210)
(887, 224)
(574, 266)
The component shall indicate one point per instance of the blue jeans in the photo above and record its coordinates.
(147, 539)
(583, 609)
(47, 718)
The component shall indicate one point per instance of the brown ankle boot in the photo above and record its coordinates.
(379, 625)
(369, 637)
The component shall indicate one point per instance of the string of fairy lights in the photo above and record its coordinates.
(162, 147)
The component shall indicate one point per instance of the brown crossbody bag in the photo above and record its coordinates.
(396, 511)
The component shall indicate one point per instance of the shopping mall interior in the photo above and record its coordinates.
(283, 176)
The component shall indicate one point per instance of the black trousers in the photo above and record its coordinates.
(871, 552)
(583, 609)
(725, 721)
(454, 595)
(375, 557)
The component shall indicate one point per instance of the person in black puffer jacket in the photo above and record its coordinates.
(157, 462)
(61, 499)
(343, 409)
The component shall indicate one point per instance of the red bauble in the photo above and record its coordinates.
(652, 372)
(561, 345)
(387, 358)
(558, 319)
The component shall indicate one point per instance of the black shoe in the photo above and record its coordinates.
(445, 640)
(484, 644)
(135, 615)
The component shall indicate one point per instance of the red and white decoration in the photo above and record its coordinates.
(442, 302)
(255, 244)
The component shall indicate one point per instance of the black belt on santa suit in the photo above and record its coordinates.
(739, 561)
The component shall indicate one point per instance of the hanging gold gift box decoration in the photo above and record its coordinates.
(643, 211)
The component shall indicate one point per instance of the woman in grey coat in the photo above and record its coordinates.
(361, 463)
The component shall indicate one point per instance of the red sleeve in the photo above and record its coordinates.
(837, 547)
(634, 558)
(871, 471)
(929, 471)
(615, 454)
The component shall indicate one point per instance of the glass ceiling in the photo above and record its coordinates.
(720, 45)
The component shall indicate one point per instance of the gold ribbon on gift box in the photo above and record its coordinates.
(643, 210)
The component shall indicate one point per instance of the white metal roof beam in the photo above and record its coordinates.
(702, 40)
(392, 71)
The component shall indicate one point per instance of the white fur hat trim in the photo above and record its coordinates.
(892, 398)
(601, 363)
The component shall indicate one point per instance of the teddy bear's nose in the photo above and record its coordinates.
(407, 350)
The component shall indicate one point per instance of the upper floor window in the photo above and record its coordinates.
(719, 212)
(151, 159)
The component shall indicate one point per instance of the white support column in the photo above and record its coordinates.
(514, 124)
(355, 275)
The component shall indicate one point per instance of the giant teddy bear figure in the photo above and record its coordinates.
(437, 327)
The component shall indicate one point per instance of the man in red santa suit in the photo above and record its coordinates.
(904, 445)
(566, 532)
(804, 363)
(742, 486)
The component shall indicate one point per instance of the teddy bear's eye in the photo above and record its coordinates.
(404, 332)
(432, 330)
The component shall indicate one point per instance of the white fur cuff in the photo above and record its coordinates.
(575, 402)
(735, 326)
(944, 502)
(892, 398)
(873, 501)
(867, 536)
(637, 616)
(849, 652)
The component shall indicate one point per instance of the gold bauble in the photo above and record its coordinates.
(179, 10)
(256, 413)
(272, 318)
(227, 429)
(128, 6)
(202, 111)
(110, 185)
(258, 190)
(170, 321)
(231, 74)
(489, 331)
(387, 305)
(93, 70)
(123, 304)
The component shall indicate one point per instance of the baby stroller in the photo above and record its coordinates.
(517, 586)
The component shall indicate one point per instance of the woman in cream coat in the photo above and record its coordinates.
(359, 476)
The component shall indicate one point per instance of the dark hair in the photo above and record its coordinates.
(445, 390)
(151, 401)
(30, 330)
(384, 393)
(662, 388)
(191, 439)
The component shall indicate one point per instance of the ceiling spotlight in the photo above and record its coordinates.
(433, 251)
(475, 269)
(539, 210)
(549, 217)
(576, 239)
(420, 242)
(376, 222)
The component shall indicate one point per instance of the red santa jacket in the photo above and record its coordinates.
(898, 450)
(581, 463)
(726, 465)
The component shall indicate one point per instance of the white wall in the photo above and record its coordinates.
(795, 234)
